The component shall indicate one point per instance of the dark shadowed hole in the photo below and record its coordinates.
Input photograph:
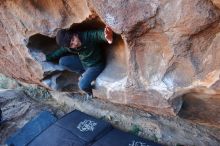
(201, 108)
(42, 43)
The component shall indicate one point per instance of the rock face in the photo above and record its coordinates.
(20, 20)
(216, 2)
(164, 48)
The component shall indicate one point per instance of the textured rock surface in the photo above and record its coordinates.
(167, 60)
(20, 20)
(191, 127)
(166, 47)
(216, 2)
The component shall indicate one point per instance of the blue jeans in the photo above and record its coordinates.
(73, 63)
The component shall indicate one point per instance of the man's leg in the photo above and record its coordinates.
(0, 115)
(89, 75)
(72, 63)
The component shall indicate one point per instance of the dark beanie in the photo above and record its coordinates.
(63, 38)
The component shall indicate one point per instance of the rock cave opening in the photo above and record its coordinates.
(57, 78)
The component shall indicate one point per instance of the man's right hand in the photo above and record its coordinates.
(48, 57)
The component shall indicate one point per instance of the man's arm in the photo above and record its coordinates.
(99, 36)
(56, 54)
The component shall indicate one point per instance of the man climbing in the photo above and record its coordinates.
(87, 57)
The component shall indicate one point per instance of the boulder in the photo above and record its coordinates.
(162, 50)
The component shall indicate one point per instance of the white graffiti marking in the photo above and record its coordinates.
(135, 143)
(86, 125)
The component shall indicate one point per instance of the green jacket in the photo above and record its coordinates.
(89, 52)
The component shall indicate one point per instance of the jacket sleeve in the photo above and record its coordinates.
(96, 36)
(56, 54)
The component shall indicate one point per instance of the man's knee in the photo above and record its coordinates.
(62, 61)
(84, 85)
